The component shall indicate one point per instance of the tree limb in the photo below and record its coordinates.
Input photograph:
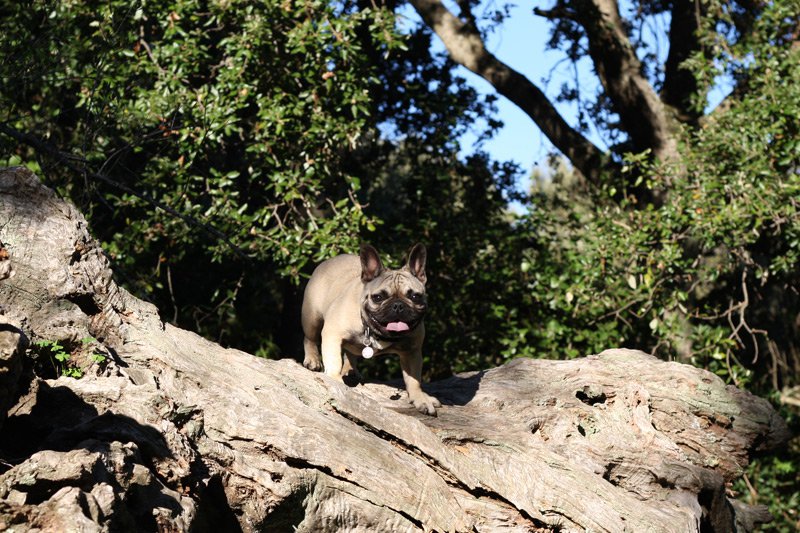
(466, 48)
(175, 433)
(643, 115)
(680, 86)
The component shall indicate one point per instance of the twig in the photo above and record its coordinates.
(750, 488)
(147, 49)
(560, 12)
(740, 308)
(731, 373)
(172, 296)
(791, 396)
(615, 312)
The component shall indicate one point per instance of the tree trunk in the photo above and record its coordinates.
(173, 432)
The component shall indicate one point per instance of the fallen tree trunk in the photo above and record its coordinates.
(173, 432)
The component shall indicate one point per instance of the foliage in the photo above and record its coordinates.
(773, 481)
(421, 190)
(710, 273)
(235, 113)
(61, 359)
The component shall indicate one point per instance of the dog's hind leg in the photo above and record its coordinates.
(349, 368)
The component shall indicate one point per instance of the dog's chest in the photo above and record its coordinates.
(355, 343)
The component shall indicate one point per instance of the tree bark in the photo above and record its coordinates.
(175, 433)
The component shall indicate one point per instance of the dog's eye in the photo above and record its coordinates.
(414, 297)
(377, 298)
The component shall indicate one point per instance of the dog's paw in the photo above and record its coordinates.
(312, 364)
(425, 403)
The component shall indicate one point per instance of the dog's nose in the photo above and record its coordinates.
(397, 307)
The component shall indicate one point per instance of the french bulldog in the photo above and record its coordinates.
(352, 304)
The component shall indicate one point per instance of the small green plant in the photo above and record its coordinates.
(59, 358)
(96, 357)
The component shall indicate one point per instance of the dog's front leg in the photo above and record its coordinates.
(411, 363)
(332, 355)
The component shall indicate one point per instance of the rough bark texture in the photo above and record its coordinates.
(175, 433)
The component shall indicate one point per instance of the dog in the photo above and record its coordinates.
(353, 304)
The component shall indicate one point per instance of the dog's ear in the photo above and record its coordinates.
(416, 262)
(371, 266)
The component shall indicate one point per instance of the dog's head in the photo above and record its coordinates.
(393, 302)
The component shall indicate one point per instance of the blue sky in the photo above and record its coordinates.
(521, 43)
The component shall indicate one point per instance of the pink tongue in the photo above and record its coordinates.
(396, 326)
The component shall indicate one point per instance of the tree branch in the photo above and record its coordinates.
(680, 85)
(466, 48)
(557, 12)
(643, 115)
